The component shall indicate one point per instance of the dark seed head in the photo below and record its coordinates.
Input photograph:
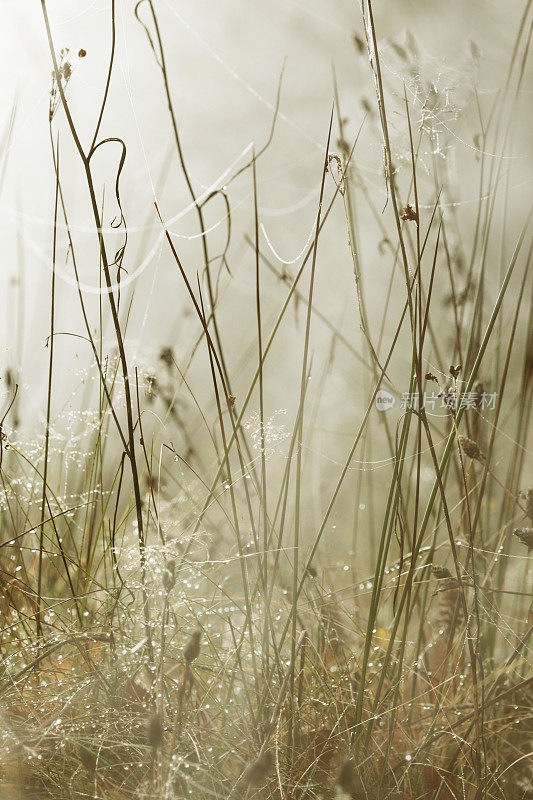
(192, 648)
(454, 371)
(470, 448)
(525, 535)
(166, 356)
(409, 214)
(440, 572)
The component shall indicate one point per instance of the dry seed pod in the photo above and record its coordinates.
(192, 648)
(470, 448)
(525, 535)
(260, 769)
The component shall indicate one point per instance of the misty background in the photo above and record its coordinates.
(225, 61)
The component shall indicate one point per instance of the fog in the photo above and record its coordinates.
(225, 63)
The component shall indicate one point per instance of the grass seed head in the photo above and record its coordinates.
(525, 535)
(455, 371)
(470, 448)
(448, 616)
(192, 648)
(409, 214)
(440, 572)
